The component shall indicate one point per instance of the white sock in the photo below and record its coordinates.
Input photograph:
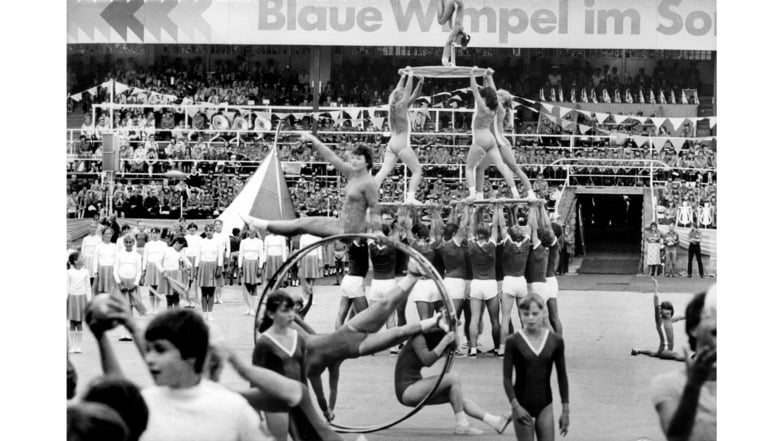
(78, 340)
(491, 420)
(461, 419)
(501, 348)
(472, 350)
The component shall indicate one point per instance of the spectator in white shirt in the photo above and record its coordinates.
(250, 259)
(89, 249)
(78, 294)
(191, 251)
(223, 239)
(208, 264)
(88, 129)
(277, 251)
(127, 273)
(152, 254)
(174, 268)
(103, 263)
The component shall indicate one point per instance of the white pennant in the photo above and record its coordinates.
(639, 140)
(619, 118)
(677, 123)
(602, 117)
(677, 143)
(565, 124)
(565, 111)
(657, 141)
(658, 122)
(584, 129)
(76, 97)
(353, 112)
(335, 114)
(640, 119)
(712, 121)
(120, 87)
(585, 113)
(547, 107)
(92, 90)
(551, 117)
(378, 122)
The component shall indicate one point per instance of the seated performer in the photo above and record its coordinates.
(484, 140)
(399, 146)
(361, 196)
(447, 10)
(663, 315)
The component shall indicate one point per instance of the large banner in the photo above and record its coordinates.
(578, 24)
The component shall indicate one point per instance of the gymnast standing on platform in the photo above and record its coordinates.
(399, 146)
(484, 149)
(449, 10)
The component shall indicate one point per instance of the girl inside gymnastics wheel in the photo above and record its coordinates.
(399, 146)
(447, 10)
(484, 140)
(422, 350)
(361, 199)
(504, 117)
(663, 315)
(360, 334)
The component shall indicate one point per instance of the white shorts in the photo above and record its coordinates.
(352, 287)
(380, 288)
(425, 291)
(539, 288)
(456, 288)
(484, 289)
(515, 286)
(551, 288)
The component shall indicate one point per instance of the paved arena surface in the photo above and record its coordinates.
(609, 389)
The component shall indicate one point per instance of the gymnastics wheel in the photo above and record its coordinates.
(430, 272)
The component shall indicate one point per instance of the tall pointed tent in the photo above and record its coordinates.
(265, 195)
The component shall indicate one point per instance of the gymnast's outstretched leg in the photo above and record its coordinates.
(320, 226)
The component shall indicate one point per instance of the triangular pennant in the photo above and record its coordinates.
(335, 114)
(353, 112)
(564, 111)
(602, 117)
(566, 125)
(677, 143)
(640, 119)
(378, 122)
(658, 141)
(551, 117)
(639, 140)
(620, 118)
(712, 121)
(585, 113)
(584, 129)
(677, 123)
(547, 107)
(76, 97)
(92, 91)
(658, 122)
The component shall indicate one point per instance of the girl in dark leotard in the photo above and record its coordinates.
(530, 355)
(421, 351)
(663, 316)
(280, 349)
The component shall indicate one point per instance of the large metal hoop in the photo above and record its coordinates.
(431, 273)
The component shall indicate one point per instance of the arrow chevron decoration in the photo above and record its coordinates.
(134, 21)
(119, 15)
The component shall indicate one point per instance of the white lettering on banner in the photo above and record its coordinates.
(586, 24)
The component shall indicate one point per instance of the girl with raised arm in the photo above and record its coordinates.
(360, 208)
(504, 118)
(399, 146)
(484, 140)
(663, 315)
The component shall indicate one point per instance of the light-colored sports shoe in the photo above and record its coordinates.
(467, 430)
(503, 423)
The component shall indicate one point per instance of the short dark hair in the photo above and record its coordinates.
(421, 230)
(449, 231)
(365, 150)
(482, 231)
(180, 240)
(184, 329)
(668, 306)
(124, 397)
(235, 231)
(87, 421)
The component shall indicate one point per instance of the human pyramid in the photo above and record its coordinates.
(506, 262)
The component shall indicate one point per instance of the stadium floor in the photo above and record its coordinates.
(609, 389)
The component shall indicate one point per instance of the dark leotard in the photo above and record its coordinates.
(482, 260)
(327, 349)
(532, 372)
(515, 257)
(269, 354)
(384, 259)
(358, 259)
(415, 356)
